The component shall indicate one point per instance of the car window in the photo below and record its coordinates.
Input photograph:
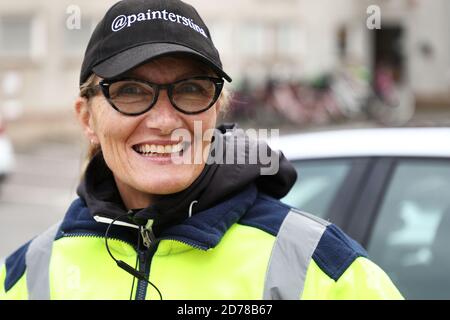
(411, 237)
(317, 184)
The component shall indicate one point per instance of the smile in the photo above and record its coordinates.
(159, 149)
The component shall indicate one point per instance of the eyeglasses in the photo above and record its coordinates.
(134, 97)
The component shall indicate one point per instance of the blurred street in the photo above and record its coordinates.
(38, 192)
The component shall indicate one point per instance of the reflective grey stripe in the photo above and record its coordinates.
(291, 254)
(37, 260)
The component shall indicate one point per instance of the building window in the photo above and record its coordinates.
(290, 40)
(15, 35)
(221, 33)
(254, 40)
(342, 42)
(76, 39)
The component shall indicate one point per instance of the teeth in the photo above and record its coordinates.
(177, 148)
(161, 149)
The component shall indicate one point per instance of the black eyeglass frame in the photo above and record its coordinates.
(105, 84)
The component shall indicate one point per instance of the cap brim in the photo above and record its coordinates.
(133, 57)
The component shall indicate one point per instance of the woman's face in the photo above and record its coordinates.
(123, 138)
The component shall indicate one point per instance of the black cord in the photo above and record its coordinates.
(106, 236)
(136, 264)
(133, 271)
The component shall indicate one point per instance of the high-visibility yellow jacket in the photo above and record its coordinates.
(250, 246)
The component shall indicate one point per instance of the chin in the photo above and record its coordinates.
(163, 188)
(164, 183)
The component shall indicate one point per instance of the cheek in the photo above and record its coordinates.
(201, 129)
(110, 126)
(203, 122)
(99, 117)
(113, 130)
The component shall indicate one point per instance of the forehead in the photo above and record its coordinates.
(170, 68)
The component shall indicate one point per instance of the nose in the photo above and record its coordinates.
(163, 116)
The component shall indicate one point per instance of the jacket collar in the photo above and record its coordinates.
(204, 230)
(217, 183)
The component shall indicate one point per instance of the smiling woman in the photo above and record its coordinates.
(136, 149)
(151, 91)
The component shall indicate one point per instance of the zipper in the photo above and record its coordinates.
(148, 237)
(145, 258)
(144, 267)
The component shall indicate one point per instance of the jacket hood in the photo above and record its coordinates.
(219, 181)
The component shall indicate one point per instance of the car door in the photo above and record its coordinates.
(328, 188)
(403, 220)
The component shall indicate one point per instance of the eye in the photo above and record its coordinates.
(129, 89)
(190, 88)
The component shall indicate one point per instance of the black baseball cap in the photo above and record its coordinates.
(133, 32)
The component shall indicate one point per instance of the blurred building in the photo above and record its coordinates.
(42, 43)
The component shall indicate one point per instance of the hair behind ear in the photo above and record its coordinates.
(224, 102)
(93, 148)
(87, 86)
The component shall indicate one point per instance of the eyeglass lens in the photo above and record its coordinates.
(191, 95)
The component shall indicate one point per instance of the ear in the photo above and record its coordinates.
(85, 118)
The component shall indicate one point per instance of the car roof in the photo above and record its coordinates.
(398, 142)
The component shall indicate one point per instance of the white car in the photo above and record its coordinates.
(387, 188)
(6, 153)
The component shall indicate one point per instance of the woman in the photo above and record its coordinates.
(153, 222)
